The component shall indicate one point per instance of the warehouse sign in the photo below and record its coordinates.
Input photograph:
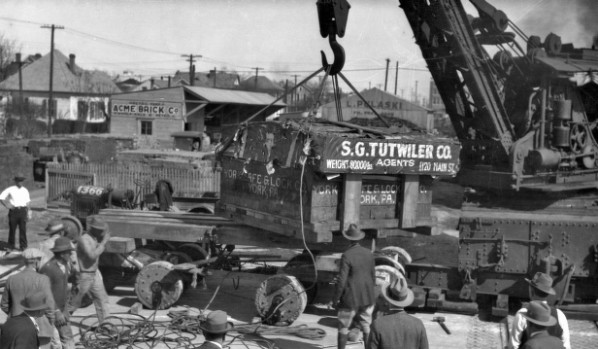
(147, 109)
(390, 156)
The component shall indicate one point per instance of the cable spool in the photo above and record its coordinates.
(158, 285)
(72, 227)
(280, 300)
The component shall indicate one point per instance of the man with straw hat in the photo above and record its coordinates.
(16, 199)
(22, 285)
(397, 329)
(540, 288)
(59, 270)
(539, 320)
(355, 293)
(214, 329)
(21, 331)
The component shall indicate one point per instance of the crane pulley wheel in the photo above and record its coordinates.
(280, 300)
(158, 285)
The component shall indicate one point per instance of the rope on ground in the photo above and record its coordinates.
(302, 331)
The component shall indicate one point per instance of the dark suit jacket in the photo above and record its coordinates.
(19, 333)
(58, 281)
(357, 279)
(399, 330)
(542, 340)
(208, 345)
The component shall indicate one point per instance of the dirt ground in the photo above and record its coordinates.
(234, 293)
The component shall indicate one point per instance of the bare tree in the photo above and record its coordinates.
(8, 49)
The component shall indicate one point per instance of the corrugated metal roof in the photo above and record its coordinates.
(214, 95)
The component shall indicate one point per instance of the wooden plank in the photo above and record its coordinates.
(410, 201)
(351, 199)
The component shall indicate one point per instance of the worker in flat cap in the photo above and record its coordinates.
(21, 331)
(60, 272)
(26, 283)
(16, 199)
(539, 319)
(355, 294)
(540, 288)
(397, 329)
(214, 329)
(89, 280)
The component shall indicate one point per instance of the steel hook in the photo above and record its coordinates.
(339, 57)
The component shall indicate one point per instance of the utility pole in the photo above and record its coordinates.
(191, 59)
(386, 77)
(20, 85)
(215, 73)
(416, 82)
(294, 96)
(256, 70)
(396, 77)
(51, 93)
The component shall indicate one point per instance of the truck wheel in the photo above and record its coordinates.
(302, 267)
(280, 300)
(158, 285)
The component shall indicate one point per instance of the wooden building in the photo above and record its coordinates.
(393, 108)
(152, 116)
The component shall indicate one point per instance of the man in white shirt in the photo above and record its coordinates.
(16, 199)
(540, 289)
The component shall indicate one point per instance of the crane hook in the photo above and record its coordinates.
(339, 57)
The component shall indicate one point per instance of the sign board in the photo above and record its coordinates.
(147, 109)
(407, 155)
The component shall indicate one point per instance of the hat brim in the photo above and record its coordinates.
(550, 322)
(537, 287)
(354, 238)
(229, 326)
(64, 249)
(401, 304)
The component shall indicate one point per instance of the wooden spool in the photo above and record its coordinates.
(158, 285)
(280, 300)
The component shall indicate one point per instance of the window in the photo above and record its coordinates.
(146, 127)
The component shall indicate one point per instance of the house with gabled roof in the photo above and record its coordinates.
(78, 94)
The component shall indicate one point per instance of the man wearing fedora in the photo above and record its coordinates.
(21, 331)
(89, 279)
(540, 289)
(355, 294)
(59, 270)
(22, 285)
(16, 199)
(214, 329)
(539, 320)
(397, 329)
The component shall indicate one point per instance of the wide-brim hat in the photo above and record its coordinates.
(32, 253)
(19, 177)
(216, 322)
(542, 282)
(397, 293)
(62, 244)
(353, 233)
(36, 301)
(97, 224)
(539, 313)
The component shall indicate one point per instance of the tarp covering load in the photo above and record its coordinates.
(262, 178)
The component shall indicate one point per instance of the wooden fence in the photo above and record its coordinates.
(187, 182)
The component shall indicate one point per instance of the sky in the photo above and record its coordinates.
(149, 37)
